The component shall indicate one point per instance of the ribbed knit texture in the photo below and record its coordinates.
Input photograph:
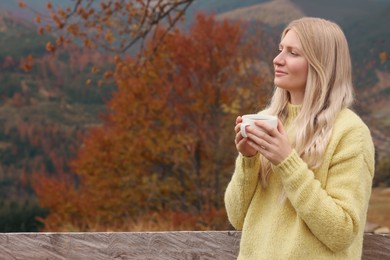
(305, 214)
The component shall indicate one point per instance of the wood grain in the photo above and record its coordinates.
(376, 247)
(222, 245)
(156, 245)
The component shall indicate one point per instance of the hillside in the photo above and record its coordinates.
(42, 113)
(38, 5)
(273, 13)
(16, 34)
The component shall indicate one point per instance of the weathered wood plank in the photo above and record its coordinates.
(156, 245)
(376, 247)
(222, 245)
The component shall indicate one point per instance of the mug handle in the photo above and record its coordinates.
(243, 130)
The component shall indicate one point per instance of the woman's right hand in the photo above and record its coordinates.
(242, 144)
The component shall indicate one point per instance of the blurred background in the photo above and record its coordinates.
(104, 131)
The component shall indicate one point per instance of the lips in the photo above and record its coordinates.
(280, 73)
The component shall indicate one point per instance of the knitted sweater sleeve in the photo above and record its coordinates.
(241, 189)
(335, 210)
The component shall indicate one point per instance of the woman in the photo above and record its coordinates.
(301, 190)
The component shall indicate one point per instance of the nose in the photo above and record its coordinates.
(279, 59)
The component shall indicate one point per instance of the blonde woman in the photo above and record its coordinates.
(301, 190)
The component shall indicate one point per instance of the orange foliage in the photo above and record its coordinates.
(37, 19)
(50, 47)
(167, 142)
(26, 64)
(384, 56)
(22, 4)
(62, 200)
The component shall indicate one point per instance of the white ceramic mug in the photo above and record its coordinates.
(249, 120)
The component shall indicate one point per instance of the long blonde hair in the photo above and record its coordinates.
(328, 89)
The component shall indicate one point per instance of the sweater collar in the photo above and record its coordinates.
(293, 110)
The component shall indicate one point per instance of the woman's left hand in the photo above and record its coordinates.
(271, 142)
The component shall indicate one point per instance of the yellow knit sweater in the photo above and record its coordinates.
(325, 211)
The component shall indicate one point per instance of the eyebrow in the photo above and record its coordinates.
(290, 46)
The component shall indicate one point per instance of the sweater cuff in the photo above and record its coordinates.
(250, 162)
(247, 169)
(292, 164)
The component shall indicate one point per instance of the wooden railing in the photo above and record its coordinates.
(222, 245)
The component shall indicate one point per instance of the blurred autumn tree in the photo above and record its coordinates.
(166, 144)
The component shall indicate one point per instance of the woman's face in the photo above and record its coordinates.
(291, 67)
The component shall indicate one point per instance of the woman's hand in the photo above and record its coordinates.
(242, 144)
(272, 143)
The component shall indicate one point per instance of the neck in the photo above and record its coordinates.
(296, 98)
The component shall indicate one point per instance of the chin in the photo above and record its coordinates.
(280, 84)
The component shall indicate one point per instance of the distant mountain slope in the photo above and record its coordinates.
(218, 6)
(366, 25)
(18, 38)
(341, 11)
(273, 13)
(38, 5)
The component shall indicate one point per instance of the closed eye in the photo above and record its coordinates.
(289, 50)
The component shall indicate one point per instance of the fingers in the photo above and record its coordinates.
(238, 138)
(242, 145)
(272, 131)
(259, 137)
(280, 127)
(272, 143)
(238, 120)
(262, 131)
(264, 138)
(261, 149)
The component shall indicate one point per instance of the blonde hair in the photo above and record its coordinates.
(328, 89)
